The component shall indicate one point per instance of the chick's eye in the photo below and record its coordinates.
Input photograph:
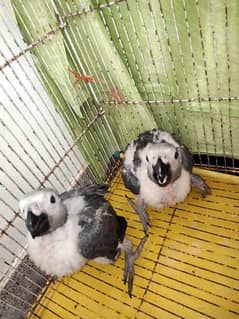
(147, 159)
(52, 199)
(176, 155)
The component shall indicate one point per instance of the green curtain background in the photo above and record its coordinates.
(147, 54)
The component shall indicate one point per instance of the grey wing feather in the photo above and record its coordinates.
(89, 191)
(100, 236)
(187, 158)
(131, 181)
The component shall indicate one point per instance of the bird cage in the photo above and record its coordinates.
(79, 80)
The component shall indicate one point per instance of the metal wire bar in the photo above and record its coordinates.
(212, 22)
(116, 2)
(23, 132)
(162, 63)
(116, 27)
(206, 72)
(14, 166)
(32, 45)
(46, 178)
(102, 156)
(92, 8)
(151, 55)
(96, 138)
(87, 28)
(76, 180)
(52, 12)
(15, 268)
(12, 225)
(84, 11)
(36, 271)
(227, 168)
(126, 34)
(9, 191)
(58, 304)
(50, 310)
(138, 3)
(39, 94)
(76, 59)
(15, 308)
(140, 49)
(195, 140)
(3, 232)
(44, 62)
(166, 276)
(18, 156)
(199, 98)
(16, 297)
(11, 179)
(86, 51)
(16, 214)
(62, 281)
(25, 152)
(228, 76)
(49, 287)
(122, 127)
(181, 100)
(32, 114)
(94, 119)
(38, 153)
(73, 58)
(10, 222)
(101, 12)
(26, 60)
(172, 62)
(107, 132)
(145, 65)
(74, 115)
(195, 72)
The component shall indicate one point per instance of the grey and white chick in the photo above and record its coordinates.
(66, 231)
(158, 170)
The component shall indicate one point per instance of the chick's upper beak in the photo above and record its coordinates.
(37, 225)
(161, 173)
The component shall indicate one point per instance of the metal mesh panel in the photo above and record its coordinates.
(161, 62)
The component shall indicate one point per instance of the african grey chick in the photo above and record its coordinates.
(67, 230)
(159, 172)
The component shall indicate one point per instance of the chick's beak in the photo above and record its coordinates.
(37, 225)
(161, 173)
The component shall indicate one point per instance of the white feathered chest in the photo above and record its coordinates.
(57, 253)
(160, 197)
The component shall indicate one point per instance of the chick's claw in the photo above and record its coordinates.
(129, 274)
(130, 258)
(198, 182)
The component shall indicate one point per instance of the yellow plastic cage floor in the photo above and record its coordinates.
(189, 267)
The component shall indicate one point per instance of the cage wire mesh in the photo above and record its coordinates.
(80, 79)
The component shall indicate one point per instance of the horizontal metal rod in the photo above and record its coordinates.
(62, 25)
(100, 113)
(91, 8)
(182, 100)
(32, 45)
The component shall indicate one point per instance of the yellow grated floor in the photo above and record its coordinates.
(188, 269)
